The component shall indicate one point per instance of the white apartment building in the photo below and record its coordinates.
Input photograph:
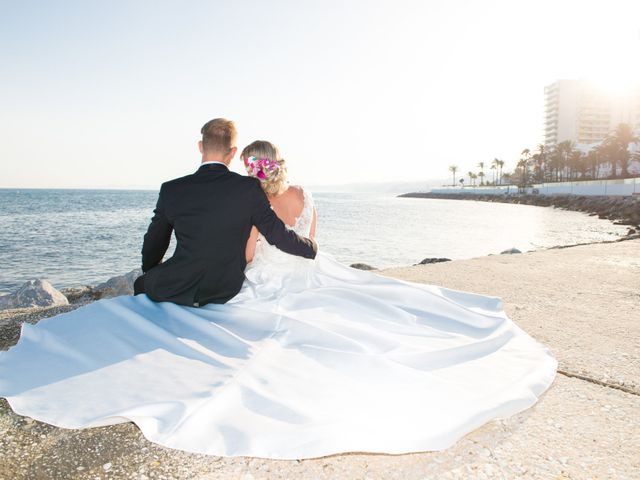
(579, 111)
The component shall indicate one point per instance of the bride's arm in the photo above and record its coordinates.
(251, 244)
(312, 232)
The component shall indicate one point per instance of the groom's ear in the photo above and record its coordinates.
(200, 147)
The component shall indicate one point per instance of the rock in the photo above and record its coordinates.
(116, 286)
(631, 231)
(510, 251)
(362, 266)
(427, 261)
(77, 294)
(34, 293)
(619, 208)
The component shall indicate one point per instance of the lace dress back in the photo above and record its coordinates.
(302, 225)
(266, 252)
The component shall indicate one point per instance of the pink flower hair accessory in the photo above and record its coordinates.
(261, 167)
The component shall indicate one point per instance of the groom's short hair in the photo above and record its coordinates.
(218, 135)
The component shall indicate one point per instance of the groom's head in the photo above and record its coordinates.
(218, 141)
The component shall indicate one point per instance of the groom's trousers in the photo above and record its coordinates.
(138, 285)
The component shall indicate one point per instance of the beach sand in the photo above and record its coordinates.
(583, 302)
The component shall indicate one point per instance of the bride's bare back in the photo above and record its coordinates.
(288, 207)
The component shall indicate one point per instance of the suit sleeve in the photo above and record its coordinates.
(158, 236)
(274, 230)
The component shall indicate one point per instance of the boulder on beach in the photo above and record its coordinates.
(78, 294)
(428, 261)
(362, 266)
(510, 251)
(116, 286)
(34, 293)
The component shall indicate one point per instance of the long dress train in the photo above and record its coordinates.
(311, 358)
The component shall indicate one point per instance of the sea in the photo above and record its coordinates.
(84, 237)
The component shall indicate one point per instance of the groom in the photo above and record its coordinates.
(212, 212)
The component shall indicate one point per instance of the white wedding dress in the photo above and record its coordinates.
(311, 358)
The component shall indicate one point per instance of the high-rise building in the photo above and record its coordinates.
(584, 113)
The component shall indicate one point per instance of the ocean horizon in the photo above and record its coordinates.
(77, 237)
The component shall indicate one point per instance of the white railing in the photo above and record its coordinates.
(616, 187)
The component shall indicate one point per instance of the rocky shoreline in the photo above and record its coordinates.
(620, 210)
(39, 293)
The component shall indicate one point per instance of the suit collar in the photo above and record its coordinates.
(215, 167)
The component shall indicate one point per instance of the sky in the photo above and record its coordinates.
(98, 94)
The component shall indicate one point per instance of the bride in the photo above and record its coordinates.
(310, 358)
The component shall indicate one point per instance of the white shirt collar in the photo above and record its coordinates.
(213, 161)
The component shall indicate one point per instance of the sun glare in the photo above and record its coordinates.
(618, 75)
(616, 85)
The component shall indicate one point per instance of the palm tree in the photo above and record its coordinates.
(623, 136)
(500, 164)
(535, 161)
(481, 175)
(583, 166)
(576, 164)
(592, 160)
(566, 149)
(481, 165)
(609, 152)
(453, 169)
(540, 159)
(495, 163)
(471, 177)
(554, 164)
(526, 157)
(522, 164)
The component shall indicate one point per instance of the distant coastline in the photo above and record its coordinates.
(618, 209)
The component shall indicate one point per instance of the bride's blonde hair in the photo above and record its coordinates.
(263, 161)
